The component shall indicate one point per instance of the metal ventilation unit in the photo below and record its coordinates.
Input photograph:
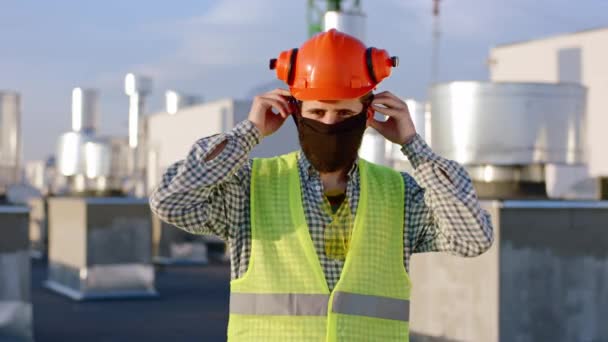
(544, 248)
(92, 164)
(100, 238)
(505, 133)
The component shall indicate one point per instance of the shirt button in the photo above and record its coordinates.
(318, 187)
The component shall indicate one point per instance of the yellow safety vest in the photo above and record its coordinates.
(283, 296)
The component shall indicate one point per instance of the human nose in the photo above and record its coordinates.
(330, 118)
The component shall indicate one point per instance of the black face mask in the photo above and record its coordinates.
(333, 147)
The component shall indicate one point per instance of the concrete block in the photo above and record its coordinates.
(16, 316)
(176, 246)
(544, 279)
(100, 247)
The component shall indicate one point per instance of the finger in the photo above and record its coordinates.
(277, 119)
(280, 91)
(389, 101)
(294, 103)
(386, 94)
(392, 112)
(278, 105)
(291, 108)
(382, 93)
(379, 126)
(278, 97)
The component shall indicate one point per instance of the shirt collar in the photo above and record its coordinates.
(309, 171)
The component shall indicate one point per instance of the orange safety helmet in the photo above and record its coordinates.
(332, 65)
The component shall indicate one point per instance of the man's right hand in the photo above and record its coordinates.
(261, 113)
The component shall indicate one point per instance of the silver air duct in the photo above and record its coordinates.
(10, 139)
(137, 88)
(505, 133)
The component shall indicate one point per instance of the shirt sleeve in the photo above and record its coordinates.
(441, 208)
(209, 197)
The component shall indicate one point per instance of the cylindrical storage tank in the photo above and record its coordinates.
(10, 138)
(504, 124)
(174, 101)
(86, 160)
(97, 159)
(85, 110)
(137, 84)
(352, 23)
(71, 159)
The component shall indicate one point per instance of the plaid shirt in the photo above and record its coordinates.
(441, 211)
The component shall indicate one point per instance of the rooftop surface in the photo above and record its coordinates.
(193, 306)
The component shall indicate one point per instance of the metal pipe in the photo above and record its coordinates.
(85, 110)
(10, 138)
(350, 22)
(136, 107)
(137, 88)
(174, 101)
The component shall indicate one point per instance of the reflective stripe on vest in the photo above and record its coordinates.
(289, 304)
(280, 304)
(371, 306)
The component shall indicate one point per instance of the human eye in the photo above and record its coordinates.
(345, 113)
(317, 112)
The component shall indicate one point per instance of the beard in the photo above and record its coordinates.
(334, 147)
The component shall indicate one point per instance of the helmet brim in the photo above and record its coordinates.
(329, 94)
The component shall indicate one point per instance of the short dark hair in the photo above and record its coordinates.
(367, 98)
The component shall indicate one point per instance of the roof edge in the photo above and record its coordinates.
(553, 36)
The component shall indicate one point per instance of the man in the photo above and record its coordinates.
(320, 240)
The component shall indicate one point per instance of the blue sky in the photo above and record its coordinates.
(221, 48)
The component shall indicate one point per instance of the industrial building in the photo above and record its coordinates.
(533, 141)
(578, 57)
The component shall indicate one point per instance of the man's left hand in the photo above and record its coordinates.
(399, 128)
